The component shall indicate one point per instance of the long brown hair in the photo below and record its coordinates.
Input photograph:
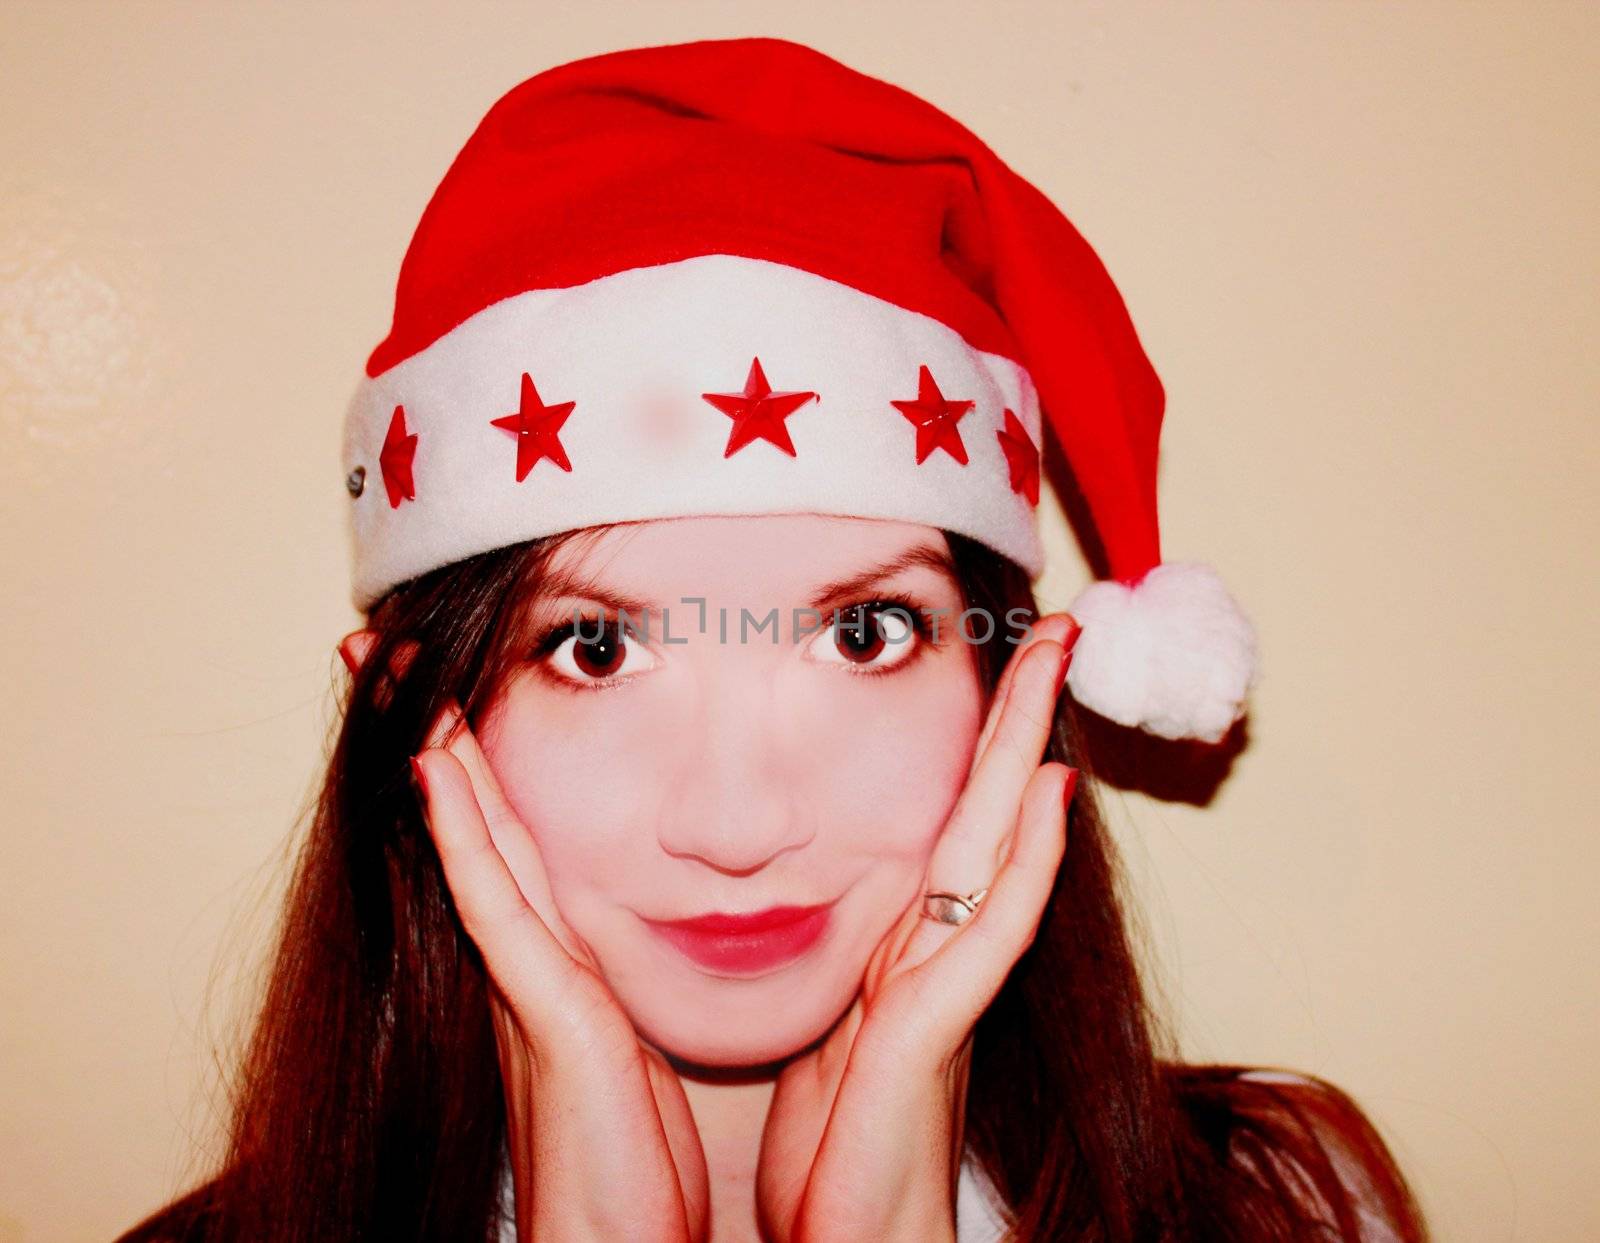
(367, 1103)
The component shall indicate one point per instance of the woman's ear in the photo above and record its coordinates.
(353, 648)
(356, 646)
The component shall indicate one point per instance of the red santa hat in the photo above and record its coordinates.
(738, 277)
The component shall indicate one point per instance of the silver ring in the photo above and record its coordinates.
(951, 908)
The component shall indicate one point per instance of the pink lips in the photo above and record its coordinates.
(747, 944)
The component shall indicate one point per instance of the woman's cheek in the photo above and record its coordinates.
(573, 780)
(894, 772)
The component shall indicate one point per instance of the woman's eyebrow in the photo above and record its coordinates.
(922, 555)
(562, 582)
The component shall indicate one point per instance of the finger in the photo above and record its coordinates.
(509, 834)
(518, 949)
(958, 978)
(966, 852)
(927, 934)
(1063, 628)
(1021, 888)
(443, 725)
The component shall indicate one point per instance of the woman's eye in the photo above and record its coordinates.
(870, 637)
(595, 651)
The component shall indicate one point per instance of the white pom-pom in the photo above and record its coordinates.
(1174, 656)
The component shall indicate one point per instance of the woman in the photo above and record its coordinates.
(741, 886)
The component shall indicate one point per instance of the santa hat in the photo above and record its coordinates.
(737, 277)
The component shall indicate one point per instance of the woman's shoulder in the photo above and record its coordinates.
(1296, 1138)
(1309, 1141)
(188, 1219)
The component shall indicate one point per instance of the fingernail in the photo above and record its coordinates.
(419, 783)
(1071, 639)
(1069, 642)
(1072, 785)
(345, 656)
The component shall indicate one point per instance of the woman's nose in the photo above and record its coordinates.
(732, 803)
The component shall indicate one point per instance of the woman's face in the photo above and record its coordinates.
(735, 753)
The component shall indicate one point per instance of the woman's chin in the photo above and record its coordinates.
(752, 1051)
(738, 1037)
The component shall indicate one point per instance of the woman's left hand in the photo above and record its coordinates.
(863, 1139)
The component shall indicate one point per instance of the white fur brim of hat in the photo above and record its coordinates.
(636, 350)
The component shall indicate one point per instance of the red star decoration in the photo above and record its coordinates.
(758, 412)
(1022, 456)
(535, 426)
(395, 457)
(935, 419)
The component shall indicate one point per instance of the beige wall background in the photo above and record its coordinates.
(1359, 242)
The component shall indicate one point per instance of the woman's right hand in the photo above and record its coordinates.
(603, 1144)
